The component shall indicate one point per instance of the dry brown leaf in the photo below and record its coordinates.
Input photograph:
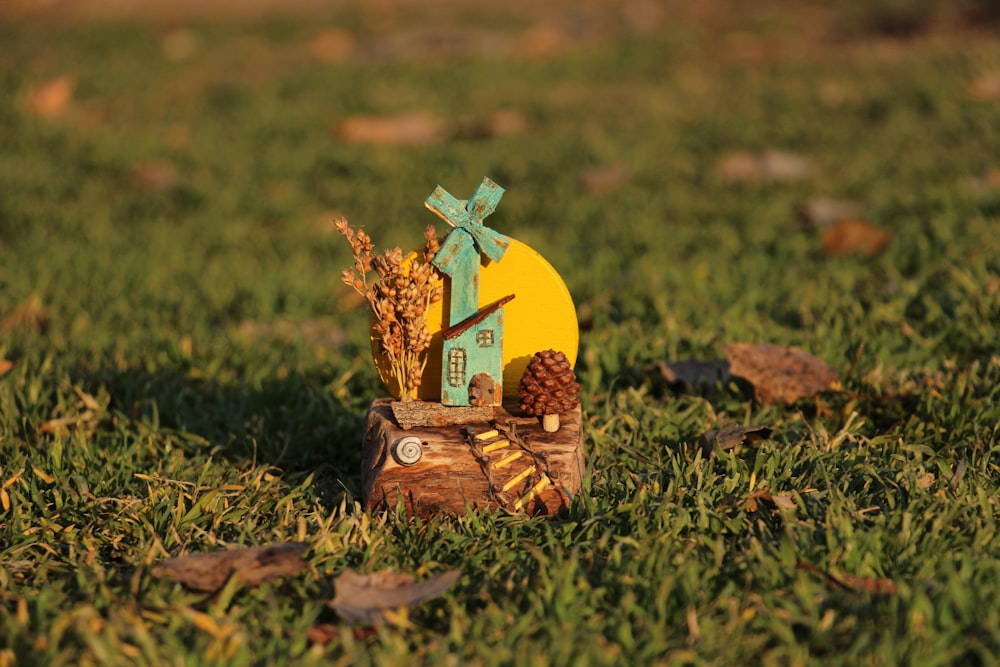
(502, 123)
(86, 414)
(846, 582)
(780, 374)
(373, 599)
(692, 372)
(50, 99)
(987, 183)
(323, 633)
(985, 87)
(5, 366)
(851, 236)
(30, 315)
(604, 179)
(728, 438)
(333, 46)
(415, 128)
(253, 565)
(822, 211)
(542, 40)
(155, 176)
(778, 500)
(767, 166)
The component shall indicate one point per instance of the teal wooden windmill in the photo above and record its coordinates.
(472, 362)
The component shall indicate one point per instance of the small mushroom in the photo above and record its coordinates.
(407, 450)
(549, 388)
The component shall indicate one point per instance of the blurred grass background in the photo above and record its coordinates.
(171, 308)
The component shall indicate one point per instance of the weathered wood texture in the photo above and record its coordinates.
(521, 468)
(428, 413)
(473, 341)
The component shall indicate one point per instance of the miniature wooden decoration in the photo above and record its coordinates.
(472, 364)
(541, 316)
(458, 437)
(459, 254)
(473, 360)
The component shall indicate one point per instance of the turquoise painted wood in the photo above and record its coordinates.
(459, 259)
(472, 355)
(472, 359)
(459, 256)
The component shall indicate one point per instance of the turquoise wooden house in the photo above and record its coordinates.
(473, 358)
(472, 355)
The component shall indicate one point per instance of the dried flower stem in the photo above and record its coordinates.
(399, 299)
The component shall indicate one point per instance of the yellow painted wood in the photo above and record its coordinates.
(532, 492)
(541, 316)
(494, 446)
(521, 476)
(507, 461)
(486, 435)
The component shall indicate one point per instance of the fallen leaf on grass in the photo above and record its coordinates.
(324, 633)
(846, 582)
(415, 128)
(379, 598)
(253, 565)
(926, 481)
(542, 40)
(693, 372)
(778, 373)
(822, 211)
(50, 99)
(5, 366)
(851, 236)
(30, 315)
(727, 438)
(603, 179)
(154, 176)
(766, 166)
(4, 496)
(986, 183)
(985, 87)
(778, 500)
(333, 46)
(501, 123)
(86, 414)
(419, 128)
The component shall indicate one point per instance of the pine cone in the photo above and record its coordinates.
(549, 385)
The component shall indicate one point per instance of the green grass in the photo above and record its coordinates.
(216, 374)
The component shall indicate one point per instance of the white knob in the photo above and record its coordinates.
(407, 451)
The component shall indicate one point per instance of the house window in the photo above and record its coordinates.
(485, 338)
(456, 367)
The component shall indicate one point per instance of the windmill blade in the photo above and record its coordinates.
(484, 200)
(491, 243)
(456, 247)
(468, 216)
(448, 208)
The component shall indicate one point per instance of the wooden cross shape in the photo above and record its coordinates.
(459, 254)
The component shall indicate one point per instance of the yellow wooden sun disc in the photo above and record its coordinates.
(540, 317)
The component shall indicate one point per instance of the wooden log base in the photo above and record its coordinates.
(457, 470)
(423, 413)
